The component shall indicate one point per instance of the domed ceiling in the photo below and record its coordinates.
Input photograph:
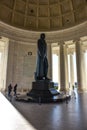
(43, 15)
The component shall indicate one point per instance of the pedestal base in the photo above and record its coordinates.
(42, 90)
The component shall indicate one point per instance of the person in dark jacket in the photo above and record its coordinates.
(15, 89)
(9, 90)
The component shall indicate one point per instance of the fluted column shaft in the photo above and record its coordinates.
(83, 68)
(66, 68)
(71, 70)
(80, 67)
(49, 54)
(62, 68)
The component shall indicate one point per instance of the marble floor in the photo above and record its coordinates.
(57, 116)
(10, 118)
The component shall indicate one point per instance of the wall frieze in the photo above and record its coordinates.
(53, 36)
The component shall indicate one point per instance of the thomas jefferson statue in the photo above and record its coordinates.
(42, 62)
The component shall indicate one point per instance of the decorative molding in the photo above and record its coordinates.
(51, 37)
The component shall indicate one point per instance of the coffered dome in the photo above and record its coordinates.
(43, 15)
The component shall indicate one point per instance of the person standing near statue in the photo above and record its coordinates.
(9, 90)
(15, 89)
(42, 62)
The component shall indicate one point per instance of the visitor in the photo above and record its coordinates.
(73, 92)
(9, 90)
(15, 89)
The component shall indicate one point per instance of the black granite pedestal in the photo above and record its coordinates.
(42, 91)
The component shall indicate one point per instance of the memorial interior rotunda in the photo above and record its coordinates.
(64, 23)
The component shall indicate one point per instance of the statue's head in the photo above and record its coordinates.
(42, 36)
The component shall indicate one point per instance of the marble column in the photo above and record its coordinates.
(62, 68)
(10, 64)
(1, 67)
(58, 70)
(66, 67)
(49, 54)
(83, 68)
(71, 70)
(80, 67)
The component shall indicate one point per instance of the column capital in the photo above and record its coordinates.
(71, 53)
(61, 43)
(77, 41)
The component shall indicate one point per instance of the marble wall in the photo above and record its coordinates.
(21, 64)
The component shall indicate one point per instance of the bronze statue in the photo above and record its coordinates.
(42, 62)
